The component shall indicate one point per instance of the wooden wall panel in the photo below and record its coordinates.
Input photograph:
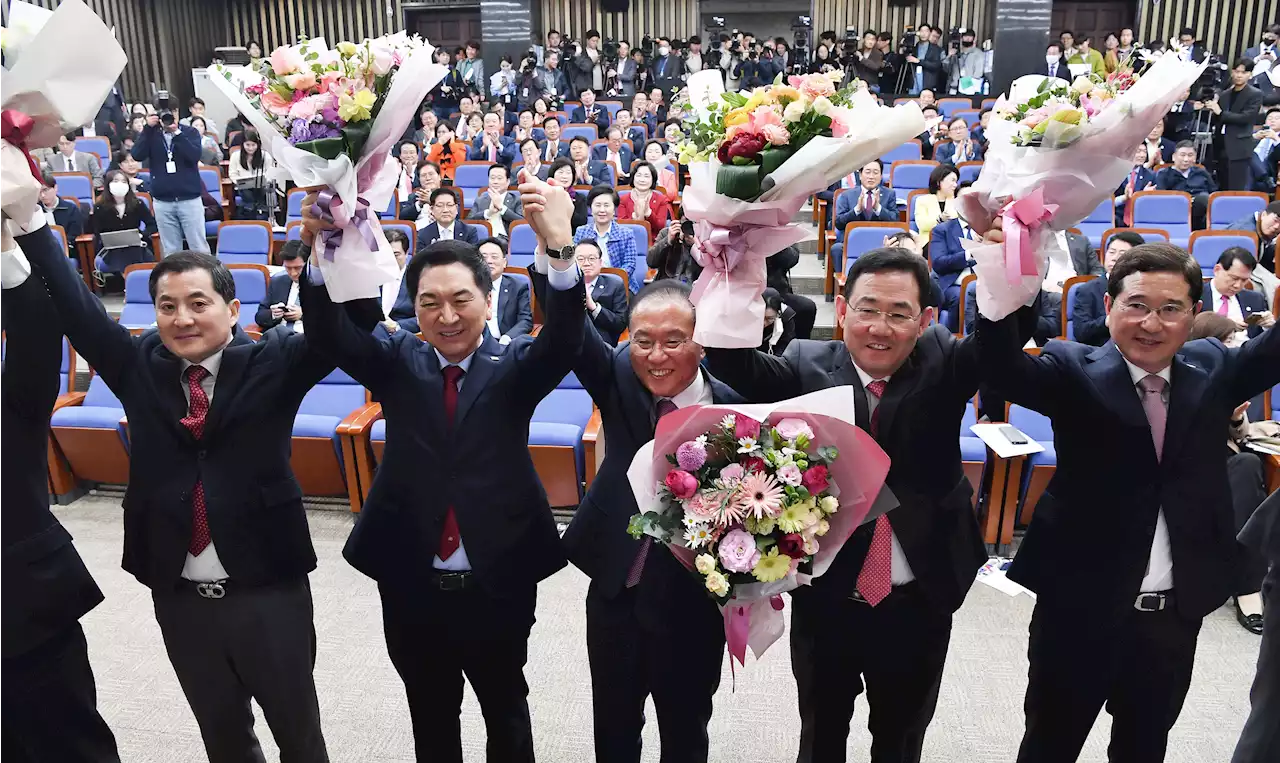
(669, 18)
(275, 22)
(879, 15)
(1227, 28)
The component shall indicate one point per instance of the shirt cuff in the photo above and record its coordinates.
(37, 221)
(14, 268)
(561, 280)
(596, 312)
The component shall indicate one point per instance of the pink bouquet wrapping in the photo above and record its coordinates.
(61, 65)
(754, 160)
(758, 499)
(1056, 151)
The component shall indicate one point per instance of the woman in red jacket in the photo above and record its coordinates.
(645, 202)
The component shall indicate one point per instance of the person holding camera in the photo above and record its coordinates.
(668, 65)
(927, 60)
(1236, 107)
(471, 70)
(965, 65)
(891, 68)
(869, 60)
(448, 93)
(588, 66)
(503, 83)
(549, 82)
(672, 253)
(172, 151)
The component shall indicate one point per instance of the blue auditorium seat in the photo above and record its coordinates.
(1040, 466)
(213, 184)
(139, 312)
(1168, 210)
(251, 289)
(317, 449)
(1099, 221)
(91, 438)
(555, 440)
(244, 242)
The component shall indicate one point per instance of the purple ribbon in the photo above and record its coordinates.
(329, 207)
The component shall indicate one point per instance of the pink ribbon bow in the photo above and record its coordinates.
(718, 250)
(329, 207)
(1021, 219)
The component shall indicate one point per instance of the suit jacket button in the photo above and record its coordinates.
(182, 496)
(200, 454)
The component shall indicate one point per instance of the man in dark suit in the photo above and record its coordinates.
(960, 148)
(1185, 176)
(1266, 226)
(1178, 122)
(1226, 294)
(631, 131)
(1237, 108)
(444, 207)
(927, 61)
(498, 204)
(1089, 313)
(49, 702)
(1055, 64)
(553, 147)
(614, 150)
(587, 171)
(1140, 179)
(950, 261)
(1260, 738)
(1139, 425)
(590, 112)
(880, 617)
(666, 65)
(491, 145)
(457, 566)
(509, 300)
(1159, 149)
(606, 293)
(873, 201)
(226, 556)
(66, 212)
(282, 304)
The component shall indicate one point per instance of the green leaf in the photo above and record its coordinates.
(326, 148)
(735, 100)
(772, 158)
(742, 161)
(1044, 86)
(822, 122)
(738, 182)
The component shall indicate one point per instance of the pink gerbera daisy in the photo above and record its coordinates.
(760, 495)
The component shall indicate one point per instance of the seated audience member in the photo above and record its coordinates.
(68, 159)
(407, 152)
(1089, 312)
(934, 131)
(645, 202)
(938, 205)
(1185, 176)
(961, 148)
(447, 226)
(491, 145)
(672, 132)
(606, 293)
(533, 164)
(778, 277)
(251, 169)
(58, 211)
(950, 260)
(118, 209)
(905, 239)
(524, 128)
(198, 119)
(587, 171)
(282, 305)
(631, 131)
(470, 126)
(553, 147)
(1229, 296)
(590, 112)
(671, 254)
(615, 151)
(393, 293)
(418, 206)
(873, 201)
(448, 152)
(1247, 484)
(641, 114)
(1158, 149)
(1140, 179)
(657, 154)
(210, 151)
(498, 203)
(1265, 224)
(617, 245)
(979, 133)
(1266, 152)
(562, 171)
(779, 324)
(122, 160)
(424, 133)
(1055, 64)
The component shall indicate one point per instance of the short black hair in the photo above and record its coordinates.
(47, 178)
(447, 253)
(666, 288)
(442, 124)
(393, 235)
(1247, 63)
(602, 190)
(940, 174)
(591, 242)
(427, 163)
(1234, 254)
(530, 140)
(557, 163)
(879, 164)
(1187, 32)
(890, 259)
(443, 191)
(584, 91)
(496, 241)
(591, 33)
(500, 166)
(404, 143)
(884, 37)
(1066, 32)
(194, 101)
(550, 119)
(186, 261)
(653, 173)
(1273, 208)
(1156, 257)
(1129, 237)
(292, 250)
(580, 139)
(772, 299)
(695, 39)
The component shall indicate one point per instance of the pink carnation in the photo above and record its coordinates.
(732, 473)
(777, 135)
(738, 552)
(682, 484)
(308, 107)
(699, 506)
(286, 60)
(790, 475)
(791, 429)
(816, 479)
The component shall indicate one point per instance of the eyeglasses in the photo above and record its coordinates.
(868, 315)
(646, 344)
(1169, 313)
(588, 260)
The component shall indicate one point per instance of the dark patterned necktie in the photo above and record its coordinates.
(449, 535)
(194, 422)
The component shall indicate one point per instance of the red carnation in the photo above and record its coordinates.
(792, 545)
(753, 464)
(743, 144)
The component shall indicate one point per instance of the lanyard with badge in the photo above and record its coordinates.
(170, 166)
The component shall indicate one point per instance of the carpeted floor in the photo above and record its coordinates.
(979, 716)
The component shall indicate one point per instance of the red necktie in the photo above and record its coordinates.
(194, 422)
(875, 581)
(664, 407)
(1128, 202)
(449, 535)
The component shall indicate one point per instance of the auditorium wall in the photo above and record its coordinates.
(1227, 27)
(669, 18)
(881, 16)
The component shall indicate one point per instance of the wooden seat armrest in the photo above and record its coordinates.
(69, 400)
(592, 431)
(360, 421)
(84, 238)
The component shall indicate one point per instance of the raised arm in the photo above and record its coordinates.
(760, 377)
(33, 334)
(1033, 381)
(1254, 367)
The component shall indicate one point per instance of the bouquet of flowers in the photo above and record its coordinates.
(60, 67)
(757, 499)
(754, 160)
(1057, 150)
(330, 116)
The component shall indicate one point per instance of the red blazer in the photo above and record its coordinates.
(659, 210)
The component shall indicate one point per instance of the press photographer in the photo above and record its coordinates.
(589, 67)
(965, 65)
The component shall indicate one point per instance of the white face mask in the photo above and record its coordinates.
(118, 190)
(664, 51)
(1051, 60)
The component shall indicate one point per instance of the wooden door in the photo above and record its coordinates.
(449, 29)
(1093, 18)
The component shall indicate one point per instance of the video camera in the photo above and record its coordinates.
(909, 41)
(165, 105)
(849, 48)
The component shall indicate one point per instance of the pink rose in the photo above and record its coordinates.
(841, 121)
(792, 545)
(791, 429)
(306, 108)
(753, 464)
(276, 103)
(745, 427)
(383, 59)
(738, 552)
(303, 80)
(777, 135)
(681, 484)
(732, 473)
(816, 479)
(790, 475)
(286, 60)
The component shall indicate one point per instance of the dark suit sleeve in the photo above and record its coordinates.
(1089, 318)
(1245, 112)
(757, 376)
(332, 332)
(1093, 265)
(554, 351)
(103, 343)
(946, 251)
(33, 335)
(1033, 381)
(262, 316)
(524, 311)
(888, 206)
(844, 208)
(1255, 367)
(408, 210)
(612, 319)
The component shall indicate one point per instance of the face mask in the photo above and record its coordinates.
(1051, 59)
(118, 190)
(664, 51)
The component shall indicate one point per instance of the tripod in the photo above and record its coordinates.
(1202, 134)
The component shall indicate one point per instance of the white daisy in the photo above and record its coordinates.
(697, 536)
(746, 445)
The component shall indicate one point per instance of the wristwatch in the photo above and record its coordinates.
(564, 254)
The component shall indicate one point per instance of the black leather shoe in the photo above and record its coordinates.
(1251, 623)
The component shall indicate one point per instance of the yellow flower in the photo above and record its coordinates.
(759, 96)
(772, 566)
(718, 584)
(738, 116)
(356, 108)
(347, 49)
(784, 91)
(793, 518)
(705, 564)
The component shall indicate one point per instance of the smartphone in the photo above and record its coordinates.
(1253, 319)
(1013, 435)
(686, 227)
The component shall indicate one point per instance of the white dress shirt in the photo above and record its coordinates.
(205, 568)
(292, 301)
(1234, 311)
(446, 233)
(1059, 271)
(901, 570)
(495, 296)
(390, 291)
(1159, 575)
(697, 393)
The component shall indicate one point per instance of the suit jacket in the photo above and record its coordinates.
(599, 117)
(1238, 141)
(277, 292)
(46, 585)
(887, 212)
(1177, 123)
(597, 171)
(1262, 532)
(515, 309)
(461, 231)
(670, 67)
(1062, 72)
(1108, 474)
(1197, 181)
(610, 294)
(636, 134)
(480, 465)
(1141, 180)
(1084, 258)
(69, 215)
(947, 253)
(945, 153)
(253, 502)
(1250, 302)
(601, 152)
(562, 149)
(919, 416)
(84, 162)
(1089, 313)
(931, 62)
(512, 208)
(506, 153)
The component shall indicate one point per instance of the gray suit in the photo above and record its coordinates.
(512, 210)
(81, 161)
(1260, 739)
(1084, 258)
